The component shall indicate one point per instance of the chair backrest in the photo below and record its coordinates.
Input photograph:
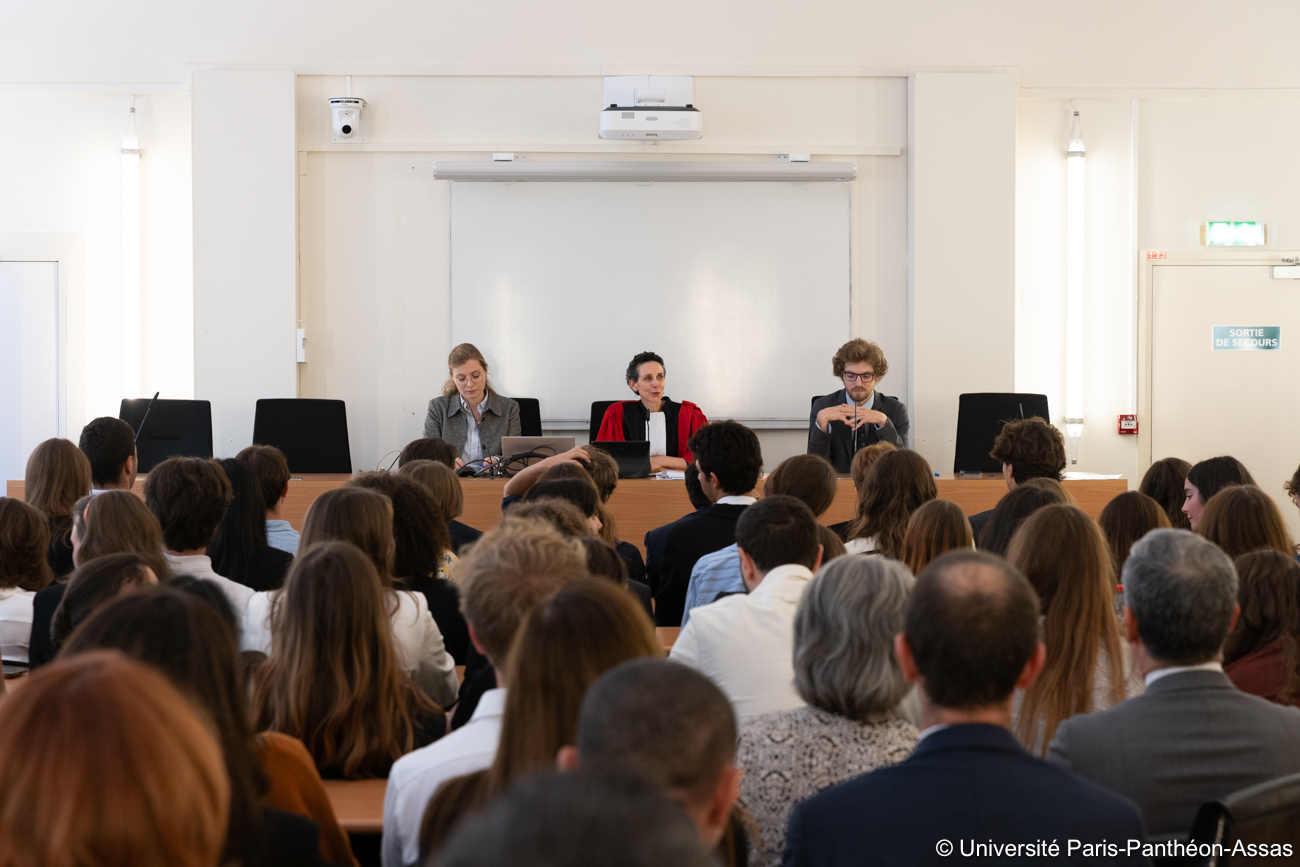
(172, 427)
(313, 434)
(816, 397)
(530, 416)
(1265, 815)
(598, 408)
(980, 417)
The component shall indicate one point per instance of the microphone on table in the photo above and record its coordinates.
(146, 416)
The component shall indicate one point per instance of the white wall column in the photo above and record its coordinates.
(961, 239)
(245, 246)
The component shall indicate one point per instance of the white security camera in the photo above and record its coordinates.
(345, 113)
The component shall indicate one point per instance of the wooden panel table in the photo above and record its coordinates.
(640, 505)
(358, 804)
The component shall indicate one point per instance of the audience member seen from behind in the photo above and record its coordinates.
(575, 820)
(1065, 557)
(443, 483)
(1262, 654)
(109, 444)
(332, 679)
(1127, 518)
(568, 481)
(862, 463)
(189, 497)
(186, 639)
(744, 642)
(1028, 448)
(603, 470)
(58, 475)
(897, 485)
(671, 725)
(1292, 488)
(112, 522)
(24, 570)
(428, 449)
(604, 562)
(970, 640)
(1206, 479)
(1010, 512)
(654, 539)
(1242, 518)
(729, 461)
(422, 553)
(139, 779)
(95, 582)
(1192, 736)
(365, 518)
(1163, 482)
(513, 569)
(239, 548)
(935, 528)
(809, 478)
(845, 669)
(270, 469)
(563, 646)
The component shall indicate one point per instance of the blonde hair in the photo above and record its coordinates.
(441, 481)
(58, 474)
(461, 354)
(358, 515)
(936, 527)
(102, 761)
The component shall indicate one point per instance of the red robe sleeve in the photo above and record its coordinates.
(689, 420)
(611, 426)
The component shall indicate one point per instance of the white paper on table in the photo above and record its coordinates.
(1075, 477)
(671, 475)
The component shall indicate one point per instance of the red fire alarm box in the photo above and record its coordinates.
(1128, 424)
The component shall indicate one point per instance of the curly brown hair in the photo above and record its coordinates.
(1033, 447)
(858, 350)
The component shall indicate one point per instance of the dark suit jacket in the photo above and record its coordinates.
(632, 557)
(836, 445)
(291, 840)
(40, 648)
(966, 783)
(690, 539)
(654, 551)
(977, 522)
(462, 535)
(1190, 738)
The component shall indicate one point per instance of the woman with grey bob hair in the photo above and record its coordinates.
(844, 668)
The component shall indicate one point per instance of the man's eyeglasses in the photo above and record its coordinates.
(858, 377)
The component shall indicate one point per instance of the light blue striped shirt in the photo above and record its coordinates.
(714, 573)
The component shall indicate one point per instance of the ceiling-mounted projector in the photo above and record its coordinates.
(650, 107)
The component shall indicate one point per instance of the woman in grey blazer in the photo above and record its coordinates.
(470, 415)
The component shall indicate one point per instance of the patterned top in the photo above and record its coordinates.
(791, 755)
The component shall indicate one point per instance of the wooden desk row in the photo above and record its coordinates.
(640, 505)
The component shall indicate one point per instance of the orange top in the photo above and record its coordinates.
(296, 788)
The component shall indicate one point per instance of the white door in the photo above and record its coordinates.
(29, 361)
(1207, 401)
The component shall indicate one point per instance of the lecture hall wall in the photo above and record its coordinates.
(245, 215)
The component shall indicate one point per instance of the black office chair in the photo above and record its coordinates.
(816, 397)
(980, 417)
(1264, 815)
(313, 434)
(530, 416)
(598, 408)
(173, 427)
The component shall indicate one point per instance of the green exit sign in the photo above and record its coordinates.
(1233, 233)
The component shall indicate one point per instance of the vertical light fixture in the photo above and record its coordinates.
(131, 386)
(1074, 290)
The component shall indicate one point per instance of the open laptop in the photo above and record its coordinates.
(539, 447)
(633, 457)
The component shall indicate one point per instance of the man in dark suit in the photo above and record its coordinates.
(1193, 736)
(654, 540)
(1029, 448)
(969, 641)
(729, 461)
(857, 415)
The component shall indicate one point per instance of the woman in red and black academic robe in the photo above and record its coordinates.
(668, 425)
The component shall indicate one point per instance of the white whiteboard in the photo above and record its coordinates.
(742, 287)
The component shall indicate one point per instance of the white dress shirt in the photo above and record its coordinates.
(736, 500)
(657, 433)
(473, 450)
(1153, 676)
(200, 566)
(15, 623)
(416, 638)
(416, 776)
(746, 643)
(865, 545)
